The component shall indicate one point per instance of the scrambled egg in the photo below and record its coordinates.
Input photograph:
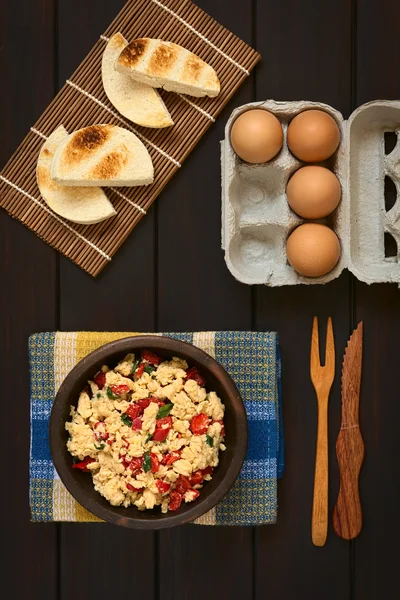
(148, 432)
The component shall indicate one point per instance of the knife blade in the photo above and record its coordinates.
(347, 514)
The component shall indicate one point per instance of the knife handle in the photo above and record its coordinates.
(347, 514)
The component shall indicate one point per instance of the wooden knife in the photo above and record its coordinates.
(347, 515)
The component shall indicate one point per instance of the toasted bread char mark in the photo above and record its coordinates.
(192, 69)
(111, 165)
(85, 142)
(46, 152)
(163, 59)
(133, 52)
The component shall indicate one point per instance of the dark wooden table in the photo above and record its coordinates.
(341, 52)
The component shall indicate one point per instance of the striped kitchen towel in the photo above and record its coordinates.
(251, 358)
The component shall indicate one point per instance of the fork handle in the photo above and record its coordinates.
(319, 527)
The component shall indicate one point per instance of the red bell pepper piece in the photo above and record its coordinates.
(120, 390)
(133, 489)
(82, 465)
(157, 400)
(150, 357)
(136, 465)
(100, 379)
(139, 371)
(182, 485)
(144, 403)
(133, 411)
(155, 463)
(162, 486)
(196, 478)
(193, 373)
(170, 458)
(194, 493)
(199, 424)
(162, 428)
(175, 500)
(137, 424)
(207, 471)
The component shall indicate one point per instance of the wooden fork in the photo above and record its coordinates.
(322, 379)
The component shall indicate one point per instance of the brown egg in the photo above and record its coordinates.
(313, 192)
(313, 249)
(313, 136)
(256, 136)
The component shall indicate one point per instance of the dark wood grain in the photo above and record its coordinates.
(375, 561)
(120, 299)
(221, 555)
(207, 298)
(376, 565)
(27, 301)
(99, 560)
(306, 61)
(347, 514)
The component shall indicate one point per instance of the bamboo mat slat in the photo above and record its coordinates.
(82, 102)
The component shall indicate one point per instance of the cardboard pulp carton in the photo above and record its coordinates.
(257, 220)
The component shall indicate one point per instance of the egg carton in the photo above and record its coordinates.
(256, 217)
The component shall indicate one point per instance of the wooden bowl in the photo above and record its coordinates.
(80, 484)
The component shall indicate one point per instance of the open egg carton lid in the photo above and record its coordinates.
(256, 217)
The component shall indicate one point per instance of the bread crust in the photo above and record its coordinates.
(168, 65)
(138, 102)
(84, 205)
(102, 155)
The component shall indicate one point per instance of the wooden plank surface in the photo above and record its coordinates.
(375, 555)
(303, 61)
(27, 301)
(332, 52)
(120, 299)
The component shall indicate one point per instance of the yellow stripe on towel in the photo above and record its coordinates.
(83, 516)
(88, 341)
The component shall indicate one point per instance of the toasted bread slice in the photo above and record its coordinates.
(167, 65)
(102, 155)
(139, 103)
(79, 205)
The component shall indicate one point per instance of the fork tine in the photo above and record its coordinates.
(315, 362)
(330, 349)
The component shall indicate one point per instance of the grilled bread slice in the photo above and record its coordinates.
(167, 65)
(139, 103)
(102, 155)
(77, 204)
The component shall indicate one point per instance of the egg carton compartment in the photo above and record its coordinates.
(258, 195)
(257, 220)
(370, 166)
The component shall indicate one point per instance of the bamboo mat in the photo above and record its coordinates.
(82, 102)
